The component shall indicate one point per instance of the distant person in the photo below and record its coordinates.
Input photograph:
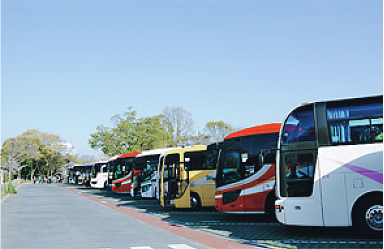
(41, 179)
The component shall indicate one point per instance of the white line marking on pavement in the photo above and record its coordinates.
(175, 246)
(180, 246)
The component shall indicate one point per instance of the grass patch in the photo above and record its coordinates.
(11, 189)
(3, 194)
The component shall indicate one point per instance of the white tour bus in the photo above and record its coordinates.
(329, 169)
(99, 175)
(146, 166)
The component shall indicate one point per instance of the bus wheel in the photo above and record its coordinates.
(270, 206)
(195, 201)
(369, 216)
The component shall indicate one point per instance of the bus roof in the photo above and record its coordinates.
(155, 152)
(344, 99)
(113, 158)
(256, 130)
(187, 149)
(102, 161)
(132, 154)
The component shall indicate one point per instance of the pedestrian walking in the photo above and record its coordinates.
(40, 179)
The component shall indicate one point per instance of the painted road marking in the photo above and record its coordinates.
(180, 246)
(175, 246)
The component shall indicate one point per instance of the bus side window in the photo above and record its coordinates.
(355, 124)
(377, 129)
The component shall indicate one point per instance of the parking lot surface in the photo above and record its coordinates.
(73, 216)
(257, 230)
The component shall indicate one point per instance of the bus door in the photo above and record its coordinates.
(147, 178)
(233, 199)
(171, 173)
(259, 180)
(298, 157)
(299, 180)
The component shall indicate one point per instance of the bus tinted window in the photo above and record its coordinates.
(355, 124)
(299, 126)
(211, 159)
(195, 160)
(354, 112)
(171, 161)
(298, 174)
(148, 164)
(239, 157)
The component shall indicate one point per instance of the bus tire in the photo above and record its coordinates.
(195, 201)
(368, 216)
(270, 205)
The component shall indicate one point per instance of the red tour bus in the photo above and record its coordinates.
(123, 173)
(245, 175)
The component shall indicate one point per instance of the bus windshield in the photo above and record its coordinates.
(95, 170)
(239, 157)
(123, 167)
(148, 165)
(299, 126)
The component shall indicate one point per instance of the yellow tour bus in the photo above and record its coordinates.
(187, 179)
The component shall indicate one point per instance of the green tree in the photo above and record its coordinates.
(130, 133)
(34, 151)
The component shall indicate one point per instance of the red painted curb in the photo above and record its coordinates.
(180, 230)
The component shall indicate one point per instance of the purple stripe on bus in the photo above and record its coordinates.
(376, 176)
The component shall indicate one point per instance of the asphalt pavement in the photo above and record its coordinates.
(53, 216)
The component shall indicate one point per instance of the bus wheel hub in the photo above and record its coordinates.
(374, 217)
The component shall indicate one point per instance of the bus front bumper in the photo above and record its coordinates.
(279, 211)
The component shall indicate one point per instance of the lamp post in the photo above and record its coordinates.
(12, 162)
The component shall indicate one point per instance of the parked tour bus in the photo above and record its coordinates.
(77, 174)
(145, 169)
(85, 177)
(122, 180)
(72, 175)
(186, 180)
(99, 174)
(111, 171)
(245, 174)
(330, 165)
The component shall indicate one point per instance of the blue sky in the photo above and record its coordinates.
(69, 65)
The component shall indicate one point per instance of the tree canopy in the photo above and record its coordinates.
(130, 134)
(35, 151)
(174, 127)
(216, 131)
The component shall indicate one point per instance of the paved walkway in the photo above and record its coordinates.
(49, 216)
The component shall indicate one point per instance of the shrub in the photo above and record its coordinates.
(11, 189)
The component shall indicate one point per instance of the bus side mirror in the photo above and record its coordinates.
(261, 160)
